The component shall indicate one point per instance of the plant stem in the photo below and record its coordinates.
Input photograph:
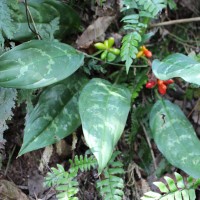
(110, 63)
(150, 146)
(28, 12)
(178, 21)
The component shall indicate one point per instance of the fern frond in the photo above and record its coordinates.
(174, 190)
(7, 102)
(7, 29)
(139, 81)
(47, 32)
(83, 163)
(129, 48)
(64, 182)
(137, 23)
(111, 187)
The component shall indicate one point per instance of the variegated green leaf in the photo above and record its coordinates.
(37, 64)
(55, 116)
(103, 109)
(177, 65)
(44, 12)
(175, 137)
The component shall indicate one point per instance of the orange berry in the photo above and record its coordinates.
(147, 53)
(160, 82)
(162, 89)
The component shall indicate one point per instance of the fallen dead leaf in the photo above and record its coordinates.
(63, 149)
(94, 31)
(47, 153)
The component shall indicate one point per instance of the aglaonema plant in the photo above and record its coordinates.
(172, 131)
(69, 99)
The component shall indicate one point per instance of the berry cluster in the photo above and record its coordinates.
(109, 53)
(162, 85)
(144, 52)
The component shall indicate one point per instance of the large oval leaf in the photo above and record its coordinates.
(177, 65)
(44, 13)
(37, 64)
(55, 116)
(175, 137)
(103, 109)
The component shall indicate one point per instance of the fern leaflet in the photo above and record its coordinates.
(174, 190)
(111, 188)
(152, 6)
(128, 4)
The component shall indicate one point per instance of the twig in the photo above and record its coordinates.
(193, 108)
(110, 63)
(28, 13)
(178, 21)
(9, 160)
(179, 40)
(150, 146)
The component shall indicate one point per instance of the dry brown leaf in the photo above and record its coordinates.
(63, 149)
(47, 153)
(94, 31)
(9, 191)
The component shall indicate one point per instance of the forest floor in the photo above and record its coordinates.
(23, 176)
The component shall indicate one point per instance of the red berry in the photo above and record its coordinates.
(170, 81)
(147, 53)
(162, 89)
(150, 84)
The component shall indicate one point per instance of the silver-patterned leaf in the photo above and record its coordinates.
(55, 116)
(37, 63)
(175, 137)
(103, 109)
(44, 13)
(177, 65)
